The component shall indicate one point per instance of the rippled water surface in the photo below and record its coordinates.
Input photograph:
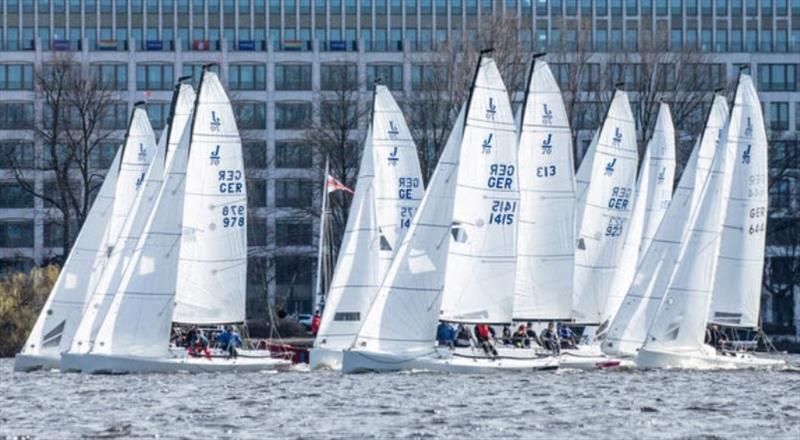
(562, 404)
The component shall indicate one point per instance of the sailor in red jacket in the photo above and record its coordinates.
(315, 321)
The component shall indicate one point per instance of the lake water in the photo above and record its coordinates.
(561, 404)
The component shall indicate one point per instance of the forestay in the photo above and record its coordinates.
(607, 211)
(57, 322)
(737, 290)
(405, 312)
(212, 272)
(681, 321)
(545, 241)
(139, 320)
(652, 197)
(358, 269)
(481, 259)
(629, 326)
(137, 155)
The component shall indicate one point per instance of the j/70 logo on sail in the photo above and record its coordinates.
(393, 158)
(547, 116)
(216, 123)
(547, 144)
(214, 156)
(662, 174)
(610, 167)
(491, 110)
(746, 155)
(487, 144)
(748, 129)
(139, 181)
(142, 153)
(617, 136)
(393, 131)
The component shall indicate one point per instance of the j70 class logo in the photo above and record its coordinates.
(139, 181)
(216, 123)
(610, 167)
(486, 146)
(393, 158)
(547, 144)
(547, 116)
(491, 109)
(617, 139)
(662, 174)
(748, 129)
(142, 153)
(393, 131)
(719, 138)
(746, 155)
(214, 156)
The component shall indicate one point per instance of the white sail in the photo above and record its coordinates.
(481, 259)
(737, 290)
(628, 329)
(545, 240)
(358, 269)
(679, 325)
(148, 188)
(607, 211)
(398, 180)
(140, 316)
(405, 312)
(582, 179)
(57, 322)
(652, 197)
(212, 274)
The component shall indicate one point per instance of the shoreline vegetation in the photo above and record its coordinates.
(22, 296)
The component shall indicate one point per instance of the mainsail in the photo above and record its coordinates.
(545, 240)
(737, 290)
(57, 322)
(607, 211)
(629, 326)
(652, 197)
(212, 272)
(681, 320)
(481, 259)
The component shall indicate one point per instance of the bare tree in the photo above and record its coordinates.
(73, 123)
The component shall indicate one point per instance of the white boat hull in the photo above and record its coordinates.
(25, 363)
(590, 357)
(71, 362)
(106, 364)
(706, 359)
(324, 358)
(441, 361)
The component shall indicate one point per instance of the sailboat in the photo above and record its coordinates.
(628, 328)
(387, 194)
(70, 299)
(736, 187)
(135, 335)
(149, 186)
(457, 262)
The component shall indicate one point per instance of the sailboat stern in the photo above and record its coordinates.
(24, 363)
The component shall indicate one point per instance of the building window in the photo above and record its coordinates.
(14, 196)
(293, 232)
(779, 116)
(16, 76)
(294, 275)
(292, 77)
(116, 116)
(390, 74)
(590, 77)
(16, 115)
(293, 193)
(53, 231)
(16, 154)
(158, 112)
(16, 234)
(292, 155)
(250, 115)
(780, 194)
(154, 77)
(340, 115)
(778, 77)
(256, 193)
(255, 154)
(111, 76)
(292, 115)
(338, 76)
(102, 155)
(256, 231)
(247, 77)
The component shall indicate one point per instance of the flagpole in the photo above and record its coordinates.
(322, 220)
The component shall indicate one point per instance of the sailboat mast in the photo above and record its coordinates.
(319, 302)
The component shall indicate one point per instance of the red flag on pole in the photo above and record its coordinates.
(335, 185)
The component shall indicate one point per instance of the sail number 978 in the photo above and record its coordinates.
(233, 216)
